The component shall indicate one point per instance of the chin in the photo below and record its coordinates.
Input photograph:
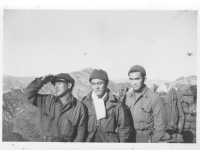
(98, 94)
(58, 94)
(136, 89)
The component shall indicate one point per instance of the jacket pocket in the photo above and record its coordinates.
(46, 122)
(112, 137)
(108, 124)
(67, 128)
(145, 114)
(91, 121)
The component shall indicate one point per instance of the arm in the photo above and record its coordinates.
(82, 126)
(31, 92)
(124, 126)
(160, 120)
(181, 113)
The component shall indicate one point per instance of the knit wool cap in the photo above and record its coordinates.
(137, 68)
(99, 74)
(62, 77)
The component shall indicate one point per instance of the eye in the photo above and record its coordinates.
(93, 84)
(99, 83)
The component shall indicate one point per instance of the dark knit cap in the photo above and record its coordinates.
(137, 68)
(62, 77)
(99, 74)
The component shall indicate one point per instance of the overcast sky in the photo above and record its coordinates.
(39, 42)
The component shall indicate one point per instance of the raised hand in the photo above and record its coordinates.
(47, 78)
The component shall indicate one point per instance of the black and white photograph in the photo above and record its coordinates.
(86, 77)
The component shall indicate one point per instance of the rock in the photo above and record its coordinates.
(190, 118)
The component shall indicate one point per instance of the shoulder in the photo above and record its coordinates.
(49, 98)
(154, 99)
(153, 96)
(87, 97)
(78, 104)
(118, 104)
(129, 94)
(128, 98)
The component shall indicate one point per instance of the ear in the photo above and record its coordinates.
(69, 85)
(145, 79)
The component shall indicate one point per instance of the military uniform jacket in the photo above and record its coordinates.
(115, 127)
(66, 122)
(148, 113)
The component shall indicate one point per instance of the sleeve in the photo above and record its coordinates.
(181, 114)
(82, 126)
(124, 126)
(160, 119)
(31, 93)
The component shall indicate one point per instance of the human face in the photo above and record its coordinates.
(61, 88)
(99, 87)
(137, 81)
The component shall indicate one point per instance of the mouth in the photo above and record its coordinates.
(98, 91)
(135, 86)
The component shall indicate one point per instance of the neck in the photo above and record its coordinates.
(103, 93)
(140, 90)
(66, 98)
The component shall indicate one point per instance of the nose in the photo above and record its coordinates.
(133, 82)
(56, 86)
(97, 87)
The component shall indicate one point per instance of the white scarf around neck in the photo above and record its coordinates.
(99, 106)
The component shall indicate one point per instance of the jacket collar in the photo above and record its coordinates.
(109, 96)
(132, 99)
(108, 99)
(70, 104)
(144, 92)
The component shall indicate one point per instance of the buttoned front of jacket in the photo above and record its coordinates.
(115, 126)
(57, 120)
(147, 112)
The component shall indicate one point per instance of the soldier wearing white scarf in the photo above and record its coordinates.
(108, 120)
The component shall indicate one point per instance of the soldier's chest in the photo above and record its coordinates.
(63, 113)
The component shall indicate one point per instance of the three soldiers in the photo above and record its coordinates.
(100, 117)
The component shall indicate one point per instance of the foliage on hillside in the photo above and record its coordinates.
(28, 124)
(20, 119)
(8, 134)
(13, 103)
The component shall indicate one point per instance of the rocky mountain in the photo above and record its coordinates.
(18, 116)
(10, 82)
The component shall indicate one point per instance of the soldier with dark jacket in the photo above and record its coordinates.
(146, 108)
(107, 118)
(62, 117)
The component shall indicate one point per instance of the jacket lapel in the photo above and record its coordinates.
(90, 103)
(110, 101)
